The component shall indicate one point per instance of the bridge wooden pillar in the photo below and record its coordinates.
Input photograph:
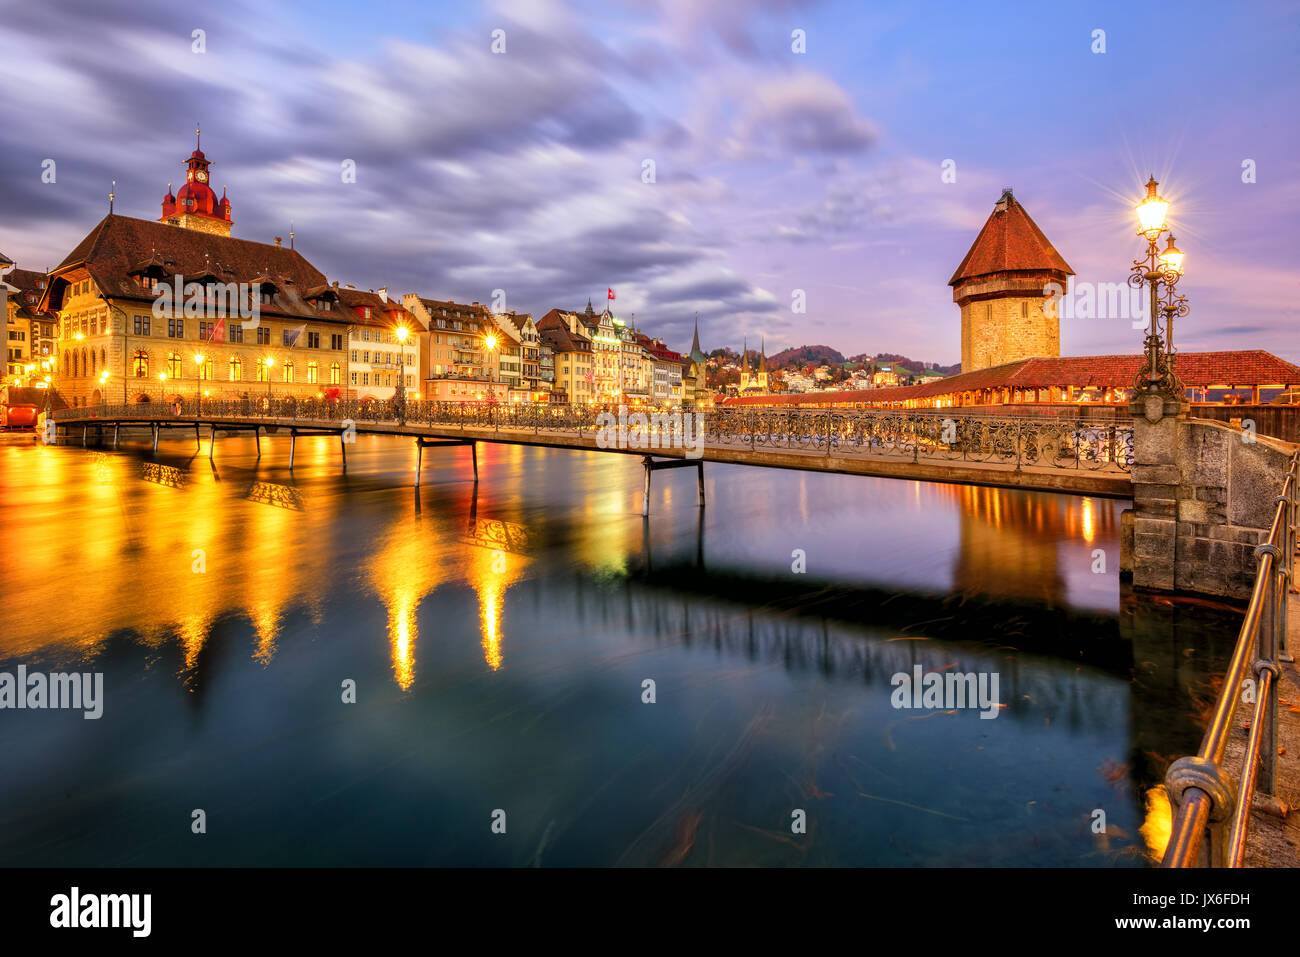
(212, 443)
(293, 446)
(652, 466)
(257, 438)
(116, 427)
(154, 425)
(422, 443)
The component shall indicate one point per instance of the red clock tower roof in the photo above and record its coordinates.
(195, 197)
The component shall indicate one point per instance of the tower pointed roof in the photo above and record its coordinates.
(744, 355)
(697, 354)
(762, 355)
(1009, 242)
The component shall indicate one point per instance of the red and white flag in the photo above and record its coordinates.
(218, 333)
(611, 293)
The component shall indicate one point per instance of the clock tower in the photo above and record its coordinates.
(195, 205)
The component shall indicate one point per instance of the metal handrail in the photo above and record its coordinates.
(1208, 803)
(1006, 441)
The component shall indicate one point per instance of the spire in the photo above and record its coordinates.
(695, 341)
(198, 139)
(744, 356)
(762, 355)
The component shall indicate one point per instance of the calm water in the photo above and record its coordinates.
(499, 637)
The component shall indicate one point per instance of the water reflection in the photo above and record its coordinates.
(518, 616)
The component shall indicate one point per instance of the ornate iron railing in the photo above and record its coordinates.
(914, 435)
(1207, 802)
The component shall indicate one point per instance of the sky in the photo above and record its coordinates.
(779, 177)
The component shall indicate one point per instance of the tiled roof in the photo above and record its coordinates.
(560, 339)
(382, 313)
(28, 283)
(119, 243)
(1009, 241)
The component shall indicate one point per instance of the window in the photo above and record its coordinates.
(235, 333)
(173, 365)
(176, 328)
(365, 378)
(261, 371)
(236, 369)
(288, 372)
(140, 363)
(205, 369)
(354, 355)
(365, 335)
(263, 335)
(335, 372)
(141, 325)
(311, 372)
(336, 341)
(354, 378)
(313, 340)
(1024, 309)
(205, 329)
(365, 356)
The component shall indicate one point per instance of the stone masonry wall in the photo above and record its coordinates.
(1203, 498)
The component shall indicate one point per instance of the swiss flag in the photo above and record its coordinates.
(219, 331)
(611, 293)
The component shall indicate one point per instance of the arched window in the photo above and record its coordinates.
(174, 365)
(336, 373)
(205, 368)
(312, 373)
(66, 363)
(261, 371)
(83, 362)
(140, 361)
(93, 360)
(288, 372)
(236, 369)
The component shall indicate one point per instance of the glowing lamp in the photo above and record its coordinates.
(1152, 210)
(1172, 257)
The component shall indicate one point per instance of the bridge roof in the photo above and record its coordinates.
(1234, 369)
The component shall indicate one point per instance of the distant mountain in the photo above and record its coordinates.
(806, 355)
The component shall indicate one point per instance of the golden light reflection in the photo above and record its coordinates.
(1089, 532)
(1159, 821)
(404, 568)
(491, 571)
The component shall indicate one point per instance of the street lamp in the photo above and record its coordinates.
(400, 394)
(269, 363)
(490, 340)
(162, 386)
(103, 384)
(198, 380)
(1155, 269)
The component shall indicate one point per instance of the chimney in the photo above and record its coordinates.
(383, 293)
(278, 241)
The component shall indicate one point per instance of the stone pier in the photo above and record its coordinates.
(1204, 495)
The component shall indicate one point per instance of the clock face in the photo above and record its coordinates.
(201, 176)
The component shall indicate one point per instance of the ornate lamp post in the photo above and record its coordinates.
(103, 385)
(269, 364)
(1159, 269)
(399, 394)
(162, 387)
(198, 380)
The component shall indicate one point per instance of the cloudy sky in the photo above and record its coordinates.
(774, 171)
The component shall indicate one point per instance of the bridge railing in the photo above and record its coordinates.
(1211, 812)
(1009, 441)
(1014, 441)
